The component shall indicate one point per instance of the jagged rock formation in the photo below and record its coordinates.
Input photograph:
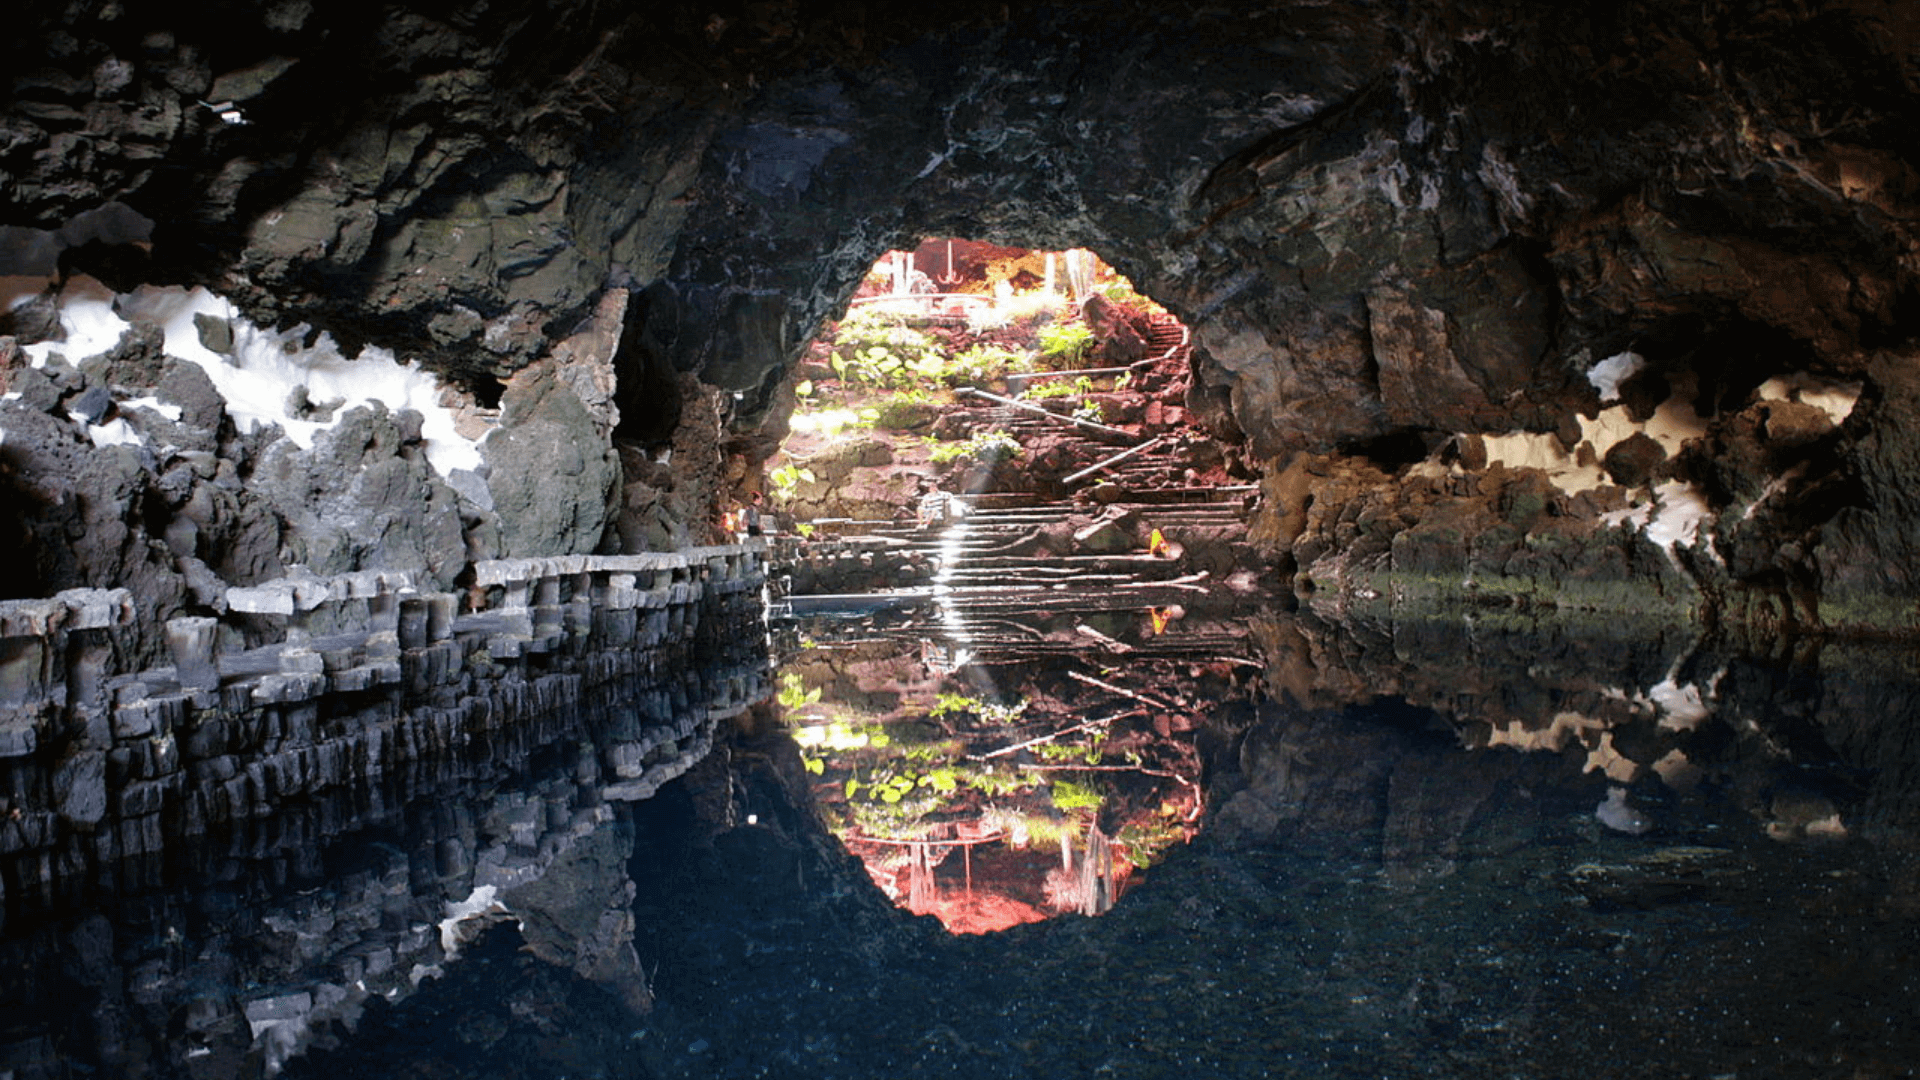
(1393, 234)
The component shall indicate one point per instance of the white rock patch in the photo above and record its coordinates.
(264, 370)
(1833, 397)
(1607, 375)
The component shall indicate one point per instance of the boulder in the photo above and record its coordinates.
(553, 475)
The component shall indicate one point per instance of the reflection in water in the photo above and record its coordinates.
(1007, 777)
(1440, 847)
(241, 948)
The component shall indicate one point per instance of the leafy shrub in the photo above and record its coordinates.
(984, 447)
(869, 347)
(787, 479)
(983, 362)
(1065, 343)
(1068, 795)
(961, 705)
(905, 410)
(1054, 389)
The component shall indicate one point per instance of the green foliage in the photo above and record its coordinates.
(1090, 752)
(1056, 388)
(1066, 343)
(1145, 842)
(1068, 795)
(870, 348)
(904, 410)
(841, 736)
(985, 447)
(994, 782)
(787, 479)
(1023, 308)
(794, 693)
(959, 705)
(1091, 411)
(983, 362)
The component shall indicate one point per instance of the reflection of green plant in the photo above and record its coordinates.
(1068, 795)
(794, 693)
(984, 447)
(958, 705)
(1065, 342)
(1145, 842)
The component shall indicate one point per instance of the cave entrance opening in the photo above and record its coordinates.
(990, 488)
(967, 367)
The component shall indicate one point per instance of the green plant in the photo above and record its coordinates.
(786, 480)
(794, 693)
(1145, 842)
(983, 362)
(868, 347)
(904, 410)
(1068, 795)
(1065, 343)
(1054, 389)
(1023, 308)
(958, 705)
(1091, 411)
(984, 447)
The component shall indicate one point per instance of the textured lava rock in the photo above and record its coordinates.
(364, 497)
(552, 474)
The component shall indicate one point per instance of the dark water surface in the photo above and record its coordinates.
(1444, 846)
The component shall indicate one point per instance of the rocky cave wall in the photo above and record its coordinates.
(1500, 299)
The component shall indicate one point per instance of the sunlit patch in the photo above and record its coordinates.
(1834, 397)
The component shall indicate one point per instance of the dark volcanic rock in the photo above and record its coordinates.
(1405, 226)
(1631, 461)
(364, 497)
(554, 479)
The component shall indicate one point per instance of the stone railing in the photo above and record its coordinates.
(368, 672)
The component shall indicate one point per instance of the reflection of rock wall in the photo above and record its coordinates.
(1394, 735)
(367, 676)
(241, 948)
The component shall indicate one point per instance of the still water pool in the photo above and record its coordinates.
(1192, 836)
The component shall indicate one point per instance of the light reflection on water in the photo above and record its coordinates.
(1446, 847)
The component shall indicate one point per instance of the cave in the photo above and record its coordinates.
(1485, 645)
